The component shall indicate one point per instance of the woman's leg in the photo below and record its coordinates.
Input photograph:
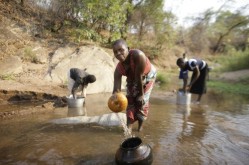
(199, 97)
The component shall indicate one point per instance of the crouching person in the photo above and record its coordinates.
(78, 81)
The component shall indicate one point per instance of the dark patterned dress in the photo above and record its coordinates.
(199, 87)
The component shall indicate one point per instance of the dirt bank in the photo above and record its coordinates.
(234, 76)
(41, 98)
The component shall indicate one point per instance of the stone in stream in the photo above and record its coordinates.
(110, 119)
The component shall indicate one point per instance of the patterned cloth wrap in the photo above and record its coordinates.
(132, 111)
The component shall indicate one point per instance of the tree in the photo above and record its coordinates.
(151, 27)
(147, 17)
(105, 15)
(227, 23)
(197, 34)
(22, 2)
(215, 30)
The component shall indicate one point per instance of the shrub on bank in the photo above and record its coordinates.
(236, 61)
(163, 79)
(238, 88)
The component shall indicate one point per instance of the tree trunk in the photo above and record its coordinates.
(218, 44)
(124, 29)
(22, 2)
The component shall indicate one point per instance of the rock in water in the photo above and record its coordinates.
(110, 119)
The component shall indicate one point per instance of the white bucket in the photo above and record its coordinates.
(183, 98)
(75, 103)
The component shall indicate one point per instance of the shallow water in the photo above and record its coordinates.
(215, 132)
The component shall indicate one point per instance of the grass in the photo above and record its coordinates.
(29, 55)
(235, 61)
(163, 79)
(7, 77)
(238, 88)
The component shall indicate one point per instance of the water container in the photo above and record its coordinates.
(134, 152)
(183, 98)
(75, 103)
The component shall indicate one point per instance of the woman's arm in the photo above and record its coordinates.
(83, 93)
(140, 63)
(117, 81)
(75, 87)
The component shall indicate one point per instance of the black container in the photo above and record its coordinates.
(133, 151)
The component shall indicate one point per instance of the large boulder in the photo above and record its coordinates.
(96, 60)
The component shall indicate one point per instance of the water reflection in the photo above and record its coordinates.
(194, 124)
(231, 103)
(185, 110)
(79, 111)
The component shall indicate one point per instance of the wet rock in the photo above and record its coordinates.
(21, 96)
(110, 119)
(60, 102)
(48, 105)
(4, 91)
(48, 96)
(8, 114)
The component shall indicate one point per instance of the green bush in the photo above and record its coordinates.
(80, 34)
(162, 79)
(29, 55)
(7, 77)
(238, 88)
(236, 61)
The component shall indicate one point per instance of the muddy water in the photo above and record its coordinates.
(215, 132)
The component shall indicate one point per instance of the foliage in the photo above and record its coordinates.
(29, 55)
(151, 28)
(235, 60)
(163, 78)
(79, 34)
(238, 88)
(144, 24)
(104, 15)
(107, 20)
(226, 26)
(198, 40)
(215, 30)
(7, 77)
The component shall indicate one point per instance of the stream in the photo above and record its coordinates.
(214, 132)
